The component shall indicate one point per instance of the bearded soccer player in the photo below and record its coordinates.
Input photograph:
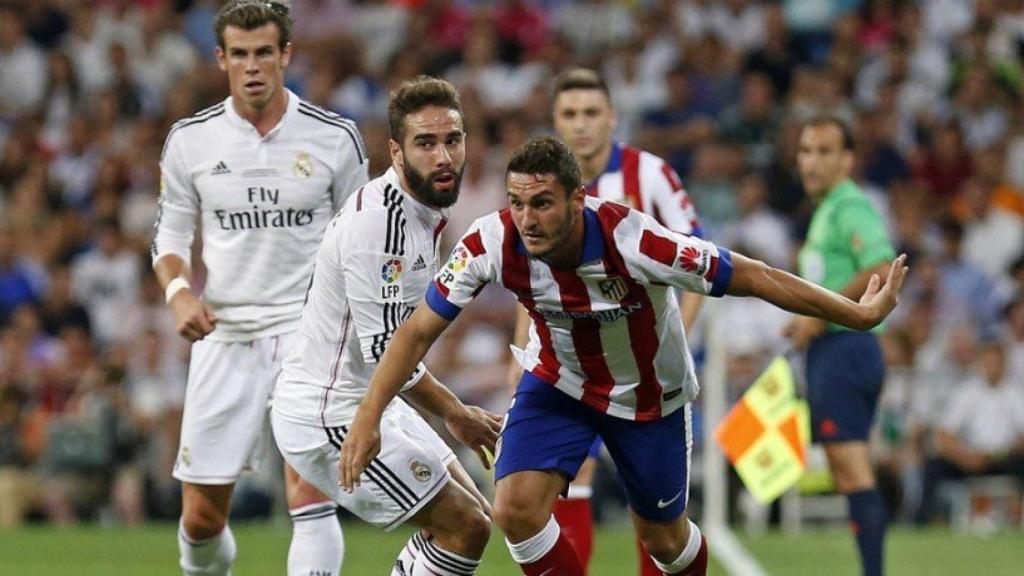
(606, 354)
(263, 172)
(376, 261)
(846, 245)
(584, 118)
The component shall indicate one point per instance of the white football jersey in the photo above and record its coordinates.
(647, 183)
(609, 332)
(376, 260)
(263, 203)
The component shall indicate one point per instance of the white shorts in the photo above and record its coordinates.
(225, 428)
(410, 470)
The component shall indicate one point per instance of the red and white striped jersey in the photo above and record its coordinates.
(647, 183)
(609, 332)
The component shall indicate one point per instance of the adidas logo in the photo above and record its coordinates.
(220, 168)
(419, 264)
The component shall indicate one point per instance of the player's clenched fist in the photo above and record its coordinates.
(361, 445)
(193, 319)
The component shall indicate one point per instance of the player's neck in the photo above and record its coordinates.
(592, 167)
(266, 117)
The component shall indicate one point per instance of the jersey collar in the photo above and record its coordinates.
(593, 238)
(236, 120)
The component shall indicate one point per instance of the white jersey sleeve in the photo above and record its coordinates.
(351, 164)
(374, 293)
(662, 256)
(179, 204)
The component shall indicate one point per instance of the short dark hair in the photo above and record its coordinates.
(547, 155)
(416, 95)
(253, 14)
(832, 120)
(580, 79)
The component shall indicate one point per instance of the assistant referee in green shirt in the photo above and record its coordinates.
(846, 244)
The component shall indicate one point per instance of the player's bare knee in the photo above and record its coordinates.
(202, 523)
(464, 527)
(519, 519)
(665, 542)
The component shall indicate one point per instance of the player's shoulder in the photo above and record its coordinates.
(328, 123)
(373, 212)
(201, 120)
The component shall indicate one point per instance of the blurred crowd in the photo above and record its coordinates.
(92, 372)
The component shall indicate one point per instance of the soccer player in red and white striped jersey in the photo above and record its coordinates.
(606, 354)
(584, 117)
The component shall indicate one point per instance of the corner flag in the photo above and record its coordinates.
(766, 434)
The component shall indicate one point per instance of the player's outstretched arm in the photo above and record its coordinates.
(407, 348)
(789, 292)
(471, 425)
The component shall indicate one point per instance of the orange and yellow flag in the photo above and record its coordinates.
(765, 436)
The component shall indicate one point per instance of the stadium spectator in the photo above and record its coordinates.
(982, 431)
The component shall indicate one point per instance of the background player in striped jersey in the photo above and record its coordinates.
(585, 119)
(606, 352)
(374, 265)
(846, 244)
(263, 172)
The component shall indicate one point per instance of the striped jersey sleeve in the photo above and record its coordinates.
(663, 256)
(372, 264)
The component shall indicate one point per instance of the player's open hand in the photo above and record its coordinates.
(361, 446)
(478, 429)
(879, 300)
(193, 318)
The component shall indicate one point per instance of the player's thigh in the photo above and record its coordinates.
(462, 478)
(544, 430)
(653, 460)
(224, 417)
(845, 371)
(398, 483)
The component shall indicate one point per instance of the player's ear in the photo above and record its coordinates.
(286, 55)
(222, 59)
(395, 149)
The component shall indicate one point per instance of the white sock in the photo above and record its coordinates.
(407, 557)
(210, 557)
(535, 547)
(318, 546)
(689, 552)
(435, 561)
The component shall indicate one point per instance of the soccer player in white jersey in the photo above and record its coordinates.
(584, 118)
(376, 260)
(263, 172)
(607, 354)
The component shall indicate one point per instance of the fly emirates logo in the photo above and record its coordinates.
(264, 213)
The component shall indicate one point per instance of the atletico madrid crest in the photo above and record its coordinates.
(613, 288)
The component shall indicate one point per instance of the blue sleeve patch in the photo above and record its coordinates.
(439, 304)
(723, 273)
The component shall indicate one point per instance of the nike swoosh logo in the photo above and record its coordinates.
(546, 572)
(662, 503)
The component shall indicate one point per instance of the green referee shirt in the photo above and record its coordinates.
(846, 237)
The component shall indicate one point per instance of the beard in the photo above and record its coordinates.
(423, 186)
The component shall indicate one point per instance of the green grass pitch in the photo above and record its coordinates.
(152, 550)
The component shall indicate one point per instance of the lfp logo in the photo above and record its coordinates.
(391, 271)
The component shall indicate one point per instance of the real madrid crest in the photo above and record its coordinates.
(303, 166)
(421, 471)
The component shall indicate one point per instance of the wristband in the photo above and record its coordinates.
(174, 286)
